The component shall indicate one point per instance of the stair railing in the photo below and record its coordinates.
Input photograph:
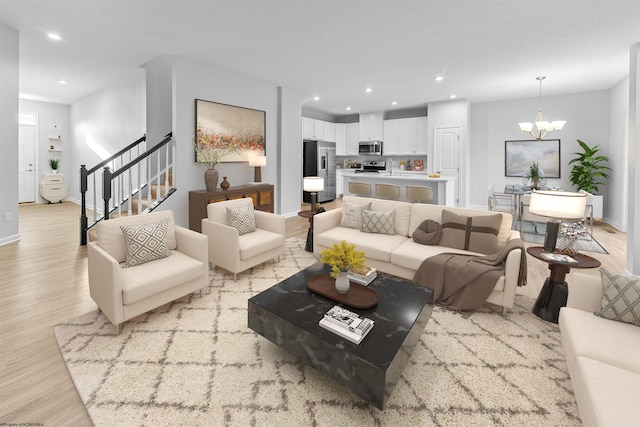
(125, 178)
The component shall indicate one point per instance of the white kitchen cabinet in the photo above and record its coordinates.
(329, 131)
(308, 128)
(405, 136)
(353, 137)
(319, 129)
(53, 187)
(371, 126)
(391, 139)
(341, 139)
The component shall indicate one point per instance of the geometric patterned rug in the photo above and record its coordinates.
(195, 362)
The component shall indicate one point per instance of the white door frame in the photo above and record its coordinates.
(456, 129)
(34, 162)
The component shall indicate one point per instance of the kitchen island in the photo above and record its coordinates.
(443, 187)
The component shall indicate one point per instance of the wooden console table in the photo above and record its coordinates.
(262, 196)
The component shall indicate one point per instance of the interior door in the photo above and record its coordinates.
(447, 155)
(26, 164)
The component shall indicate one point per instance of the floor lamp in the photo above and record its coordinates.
(313, 184)
(557, 205)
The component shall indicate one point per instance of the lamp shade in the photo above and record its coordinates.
(258, 161)
(313, 183)
(558, 204)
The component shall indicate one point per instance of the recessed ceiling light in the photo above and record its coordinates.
(439, 78)
(452, 96)
(368, 90)
(316, 98)
(62, 82)
(54, 36)
(348, 108)
(394, 103)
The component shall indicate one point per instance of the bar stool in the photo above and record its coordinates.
(359, 188)
(388, 191)
(419, 193)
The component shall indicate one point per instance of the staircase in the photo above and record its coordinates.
(133, 181)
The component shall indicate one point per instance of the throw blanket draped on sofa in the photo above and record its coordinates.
(464, 282)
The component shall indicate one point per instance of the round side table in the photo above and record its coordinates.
(554, 292)
(308, 214)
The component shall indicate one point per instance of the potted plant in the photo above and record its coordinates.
(341, 257)
(588, 169)
(534, 175)
(54, 163)
(588, 173)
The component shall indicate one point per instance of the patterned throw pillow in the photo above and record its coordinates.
(145, 242)
(474, 233)
(620, 298)
(242, 219)
(381, 222)
(352, 214)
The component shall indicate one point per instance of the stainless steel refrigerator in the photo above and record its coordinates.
(319, 159)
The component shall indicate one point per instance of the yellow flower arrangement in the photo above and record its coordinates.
(342, 256)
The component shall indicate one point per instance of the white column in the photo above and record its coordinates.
(633, 231)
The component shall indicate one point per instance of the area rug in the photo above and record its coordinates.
(194, 362)
(535, 232)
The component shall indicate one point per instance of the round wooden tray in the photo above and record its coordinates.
(358, 296)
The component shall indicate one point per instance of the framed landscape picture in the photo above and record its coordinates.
(227, 132)
(518, 156)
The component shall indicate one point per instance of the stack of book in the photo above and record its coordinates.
(560, 258)
(363, 276)
(346, 324)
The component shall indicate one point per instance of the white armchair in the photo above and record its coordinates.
(122, 292)
(236, 252)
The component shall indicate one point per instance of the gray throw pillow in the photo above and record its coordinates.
(381, 222)
(620, 298)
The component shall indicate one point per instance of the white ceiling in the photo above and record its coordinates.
(485, 49)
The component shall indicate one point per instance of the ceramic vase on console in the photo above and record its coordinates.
(211, 179)
(224, 184)
(342, 283)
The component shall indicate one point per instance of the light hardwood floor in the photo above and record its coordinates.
(44, 282)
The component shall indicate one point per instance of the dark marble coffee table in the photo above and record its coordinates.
(287, 314)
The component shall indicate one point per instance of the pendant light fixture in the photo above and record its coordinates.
(543, 127)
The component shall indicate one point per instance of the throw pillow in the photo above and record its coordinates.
(429, 232)
(381, 222)
(352, 214)
(145, 243)
(477, 233)
(242, 219)
(620, 298)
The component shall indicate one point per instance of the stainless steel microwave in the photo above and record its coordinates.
(370, 148)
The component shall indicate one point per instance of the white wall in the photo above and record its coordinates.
(8, 135)
(618, 155)
(290, 162)
(111, 119)
(197, 80)
(492, 123)
(50, 113)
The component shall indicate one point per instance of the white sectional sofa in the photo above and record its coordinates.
(399, 254)
(603, 357)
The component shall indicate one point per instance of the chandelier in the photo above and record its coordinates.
(543, 127)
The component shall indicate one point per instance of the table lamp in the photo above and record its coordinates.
(257, 162)
(558, 205)
(313, 184)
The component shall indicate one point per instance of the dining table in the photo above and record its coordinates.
(517, 191)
